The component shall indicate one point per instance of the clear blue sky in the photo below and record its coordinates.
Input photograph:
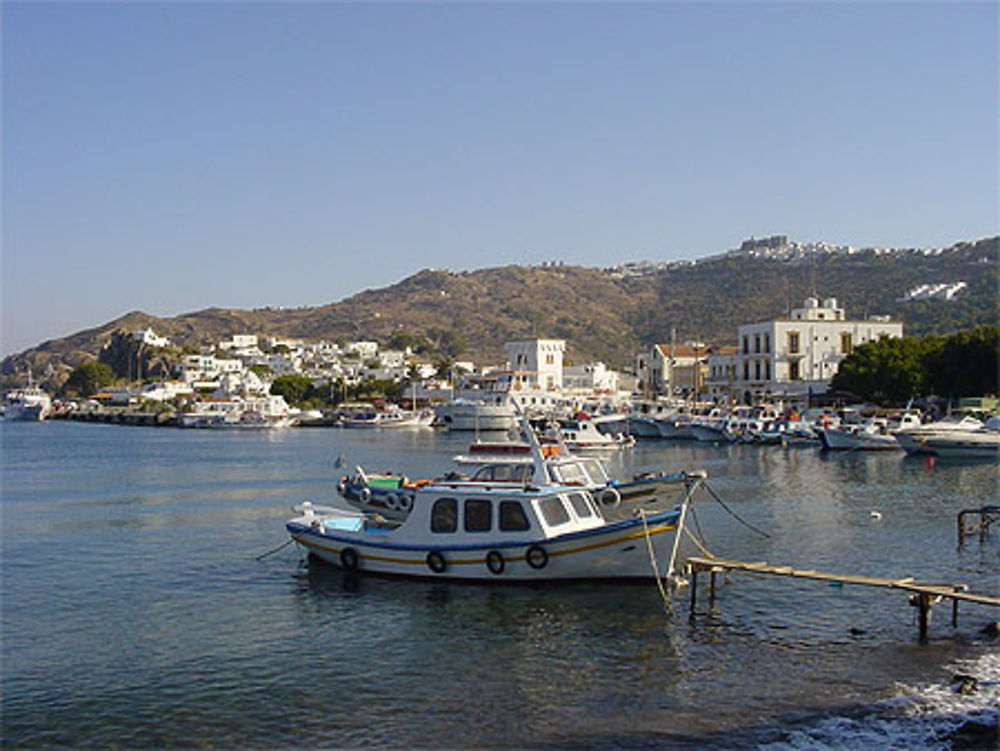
(169, 157)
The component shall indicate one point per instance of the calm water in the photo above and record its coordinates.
(135, 613)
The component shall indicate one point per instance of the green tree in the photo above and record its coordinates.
(888, 370)
(295, 388)
(88, 378)
(966, 363)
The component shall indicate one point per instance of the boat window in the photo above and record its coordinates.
(595, 470)
(512, 517)
(478, 516)
(580, 506)
(444, 515)
(570, 474)
(553, 511)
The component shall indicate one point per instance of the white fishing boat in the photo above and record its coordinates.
(29, 404)
(913, 439)
(499, 532)
(475, 414)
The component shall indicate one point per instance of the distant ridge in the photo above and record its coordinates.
(604, 314)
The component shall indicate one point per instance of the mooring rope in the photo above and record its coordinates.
(272, 552)
(656, 568)
(732, 513)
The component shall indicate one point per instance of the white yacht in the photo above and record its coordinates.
(476, 414)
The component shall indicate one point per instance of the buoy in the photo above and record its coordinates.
(876, 515)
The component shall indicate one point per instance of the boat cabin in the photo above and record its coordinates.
(457, 515)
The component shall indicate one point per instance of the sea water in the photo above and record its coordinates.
(147, 602)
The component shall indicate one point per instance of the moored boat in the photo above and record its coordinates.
(498, 532)
(29, 404)
(914, 438)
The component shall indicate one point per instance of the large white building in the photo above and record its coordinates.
(800, 354)
(538, 361)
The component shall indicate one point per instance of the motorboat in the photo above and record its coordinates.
(580, 434)
(499, 532)
(874, 434)
(28, 404)
(973, 444)
(913, 439)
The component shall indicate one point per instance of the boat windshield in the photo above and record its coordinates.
(582, 472)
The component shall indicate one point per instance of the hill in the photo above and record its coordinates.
(604, 314)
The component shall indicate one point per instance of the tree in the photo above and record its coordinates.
(967, 363)
(88, 378)
(295, 388)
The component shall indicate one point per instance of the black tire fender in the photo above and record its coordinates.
(536, 556)
(495, 562)
(436, 562)
(349, 559)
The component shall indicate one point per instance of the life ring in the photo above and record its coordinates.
(405, 502)
(366, 494)
(495, 562)
(610, 497)
(536, 556)
(436, 562)
(349, 559)
(391, 501)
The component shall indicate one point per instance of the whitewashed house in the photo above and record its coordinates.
(799, 355)
(592, 377)
(150, 338)
(672, 369)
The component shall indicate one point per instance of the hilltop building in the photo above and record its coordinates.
(799, 355)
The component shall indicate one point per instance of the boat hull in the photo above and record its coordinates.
(844, 440)
(618, 551)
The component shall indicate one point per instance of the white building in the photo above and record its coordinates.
(592, 377)
(800, 354)
(720, 380)
(672, 369)
(540, 361)
(150, 338)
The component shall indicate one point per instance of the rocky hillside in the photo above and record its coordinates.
(602, 313)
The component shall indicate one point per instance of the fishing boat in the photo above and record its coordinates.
(499, 532)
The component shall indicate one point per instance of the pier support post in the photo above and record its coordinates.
(694, 586)
(711, 589)
(924, 603)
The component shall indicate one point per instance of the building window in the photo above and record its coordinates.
(767, 370)
(793, 342)
(444, 515)
(746, 371)
(756, 370)
(756, 344)
(746, 345)
(478, 516)
(767, 343)
(793, 370)
(846, 345)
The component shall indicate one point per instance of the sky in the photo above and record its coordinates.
(174, 156)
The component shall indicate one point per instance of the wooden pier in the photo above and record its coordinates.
(922, 594)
